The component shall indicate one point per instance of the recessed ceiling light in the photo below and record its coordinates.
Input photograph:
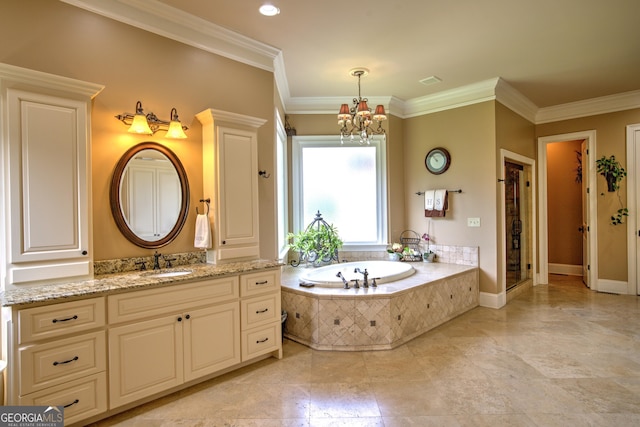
(269, 10)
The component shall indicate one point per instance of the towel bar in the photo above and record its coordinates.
(420, 193)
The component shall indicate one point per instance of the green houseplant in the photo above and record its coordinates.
(613, 172)
(318, 243)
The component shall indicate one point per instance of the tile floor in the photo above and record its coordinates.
(557, 355)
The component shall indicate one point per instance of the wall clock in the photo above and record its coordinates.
(437, 161)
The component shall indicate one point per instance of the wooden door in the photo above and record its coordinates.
(584, 228)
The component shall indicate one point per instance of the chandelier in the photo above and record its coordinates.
(357, 120)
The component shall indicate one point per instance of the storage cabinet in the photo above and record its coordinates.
(96, 355)
(230, 179)
(260, 310)
(46, 121)
(196, 333)
(59, 357)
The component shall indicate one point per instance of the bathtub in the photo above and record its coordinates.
(382, 271)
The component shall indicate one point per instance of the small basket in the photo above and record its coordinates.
(411, 239)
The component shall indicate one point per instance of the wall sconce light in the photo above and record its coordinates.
(149, 123)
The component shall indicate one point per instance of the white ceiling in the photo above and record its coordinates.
(551, 51)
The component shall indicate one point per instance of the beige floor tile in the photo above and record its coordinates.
(557, 355)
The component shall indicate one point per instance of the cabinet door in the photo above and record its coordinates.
(144, 358)
(238, 193)
(211, 339)
(48, 186)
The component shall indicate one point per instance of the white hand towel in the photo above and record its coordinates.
(440, 200)
(429, 200)
(203, 232)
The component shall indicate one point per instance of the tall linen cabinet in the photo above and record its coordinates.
(230, 180)
(46, 168)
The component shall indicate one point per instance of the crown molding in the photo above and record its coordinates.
(164, 20)
(589, 107)
(12, 76)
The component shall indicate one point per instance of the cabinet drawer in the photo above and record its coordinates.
(260, 341)
(81, 398)
(59, 319)
(260, 310)
(153, 302)
(259, 283)
(45, 365)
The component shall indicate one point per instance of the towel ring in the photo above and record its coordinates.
(207, 201)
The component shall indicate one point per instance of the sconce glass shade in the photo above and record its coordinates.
(140, 125)
(175, 131)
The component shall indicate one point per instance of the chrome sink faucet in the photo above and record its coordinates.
(365, 273)
(156, 261)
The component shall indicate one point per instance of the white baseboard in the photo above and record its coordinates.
(492, 300)
(566, 269)
(613, 287)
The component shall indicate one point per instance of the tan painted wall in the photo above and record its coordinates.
(610, 139)
(564, 203)
(469, 135)
(517, 135)
(136, 65)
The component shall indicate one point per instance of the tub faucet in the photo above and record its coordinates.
(346, 284)
(365, 273)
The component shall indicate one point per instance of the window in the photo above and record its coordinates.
(346, 183)
(281, 184)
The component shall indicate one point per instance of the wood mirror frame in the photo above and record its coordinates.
(114, 196)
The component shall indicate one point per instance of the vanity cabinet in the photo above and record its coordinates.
(45, 123)
(178, 334)
(230, 179)
(59, 354)
(261, 313)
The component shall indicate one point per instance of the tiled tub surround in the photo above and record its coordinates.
(377, 318)
(465, 255)
(132, 280)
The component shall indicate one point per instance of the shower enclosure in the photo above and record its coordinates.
(517, 217)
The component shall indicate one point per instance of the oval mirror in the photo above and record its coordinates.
(149, 195)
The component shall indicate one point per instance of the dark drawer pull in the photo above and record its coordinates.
(64, 320)
(261, 341)
(262, 311)
(75, 402)
(264, 282)
(66, 361)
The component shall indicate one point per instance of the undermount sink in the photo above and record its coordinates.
(169, 274)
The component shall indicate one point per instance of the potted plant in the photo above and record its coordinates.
(613, 172)
(318, 243)
(395, 251)
(428, 255)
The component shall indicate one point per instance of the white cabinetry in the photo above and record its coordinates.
(45, 125)
(230, 174)
(180, 333)
(59, 358)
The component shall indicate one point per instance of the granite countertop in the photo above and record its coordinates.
(132, 280)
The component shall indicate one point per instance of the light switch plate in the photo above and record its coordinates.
(473, 222)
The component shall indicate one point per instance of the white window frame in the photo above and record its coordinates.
(300, 142)
(282, 198)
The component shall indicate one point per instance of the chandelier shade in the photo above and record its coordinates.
(357, 120)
